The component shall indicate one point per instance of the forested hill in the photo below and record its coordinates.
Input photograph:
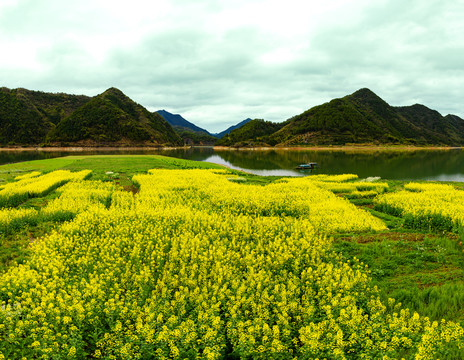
(111, 118)
(254, 132)
(26, 117)
(362, 118)
(227, 131)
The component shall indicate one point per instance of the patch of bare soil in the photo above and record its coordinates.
(133, 189)
(392, 236)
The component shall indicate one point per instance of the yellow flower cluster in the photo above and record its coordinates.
(334, 178)
(297, 197)
(63, 208)
(418, 187)
(436, 206)
(78, 196)
(16, 192)
(28, 175)
(344, 184)
(13, 219)
(195, 266)
(354, 188)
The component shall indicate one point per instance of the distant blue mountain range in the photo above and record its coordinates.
(229, 129)
(177, 121)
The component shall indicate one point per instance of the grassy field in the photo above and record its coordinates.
(100, 165)
(424, 270)
(420, 267)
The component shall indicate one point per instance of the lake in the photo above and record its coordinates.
(439, 165)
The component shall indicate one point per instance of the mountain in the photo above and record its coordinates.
(231, 128)
(365, 118)
(193, 134)
(361, 117)
(253, 132)
(180, 124)
(26, 117)
(111, 118)
(177, 121)
(442, 130)
(454, 121)
(189, 132)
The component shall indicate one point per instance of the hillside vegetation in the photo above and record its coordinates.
(362, 118)
(195, 138)
(111, 118)
(27, 116)
(221, 134)
(255, 131)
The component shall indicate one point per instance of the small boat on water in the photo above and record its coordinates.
(308, 166)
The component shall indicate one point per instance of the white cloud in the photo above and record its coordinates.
(218, 62)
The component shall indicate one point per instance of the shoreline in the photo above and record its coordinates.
(341, 148)
(230, 148)
(90, 148)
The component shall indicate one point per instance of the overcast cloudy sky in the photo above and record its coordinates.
(217, 62)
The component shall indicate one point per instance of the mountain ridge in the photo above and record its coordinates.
(110, 119)
(193, 134)
(364, 118)
(177, 121)
(257, 128)
(232, 128)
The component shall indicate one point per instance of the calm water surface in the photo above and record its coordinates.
(441, 165)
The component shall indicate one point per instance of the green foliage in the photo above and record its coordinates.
(441, 130)
(34, 118)
(27, 116)
(20, 123)
(15, 246)
(423, 272)
(361, 118)
(195, 137)
(252, 133)
(111, 118)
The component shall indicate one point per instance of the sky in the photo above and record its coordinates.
(217, 62)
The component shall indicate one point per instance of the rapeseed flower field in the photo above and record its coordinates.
(198, 266)
(430, 206)
(14, 193)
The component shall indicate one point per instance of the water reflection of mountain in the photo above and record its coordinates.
(258, 160)
(386, 164)
(8, 157)
(197, 153)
